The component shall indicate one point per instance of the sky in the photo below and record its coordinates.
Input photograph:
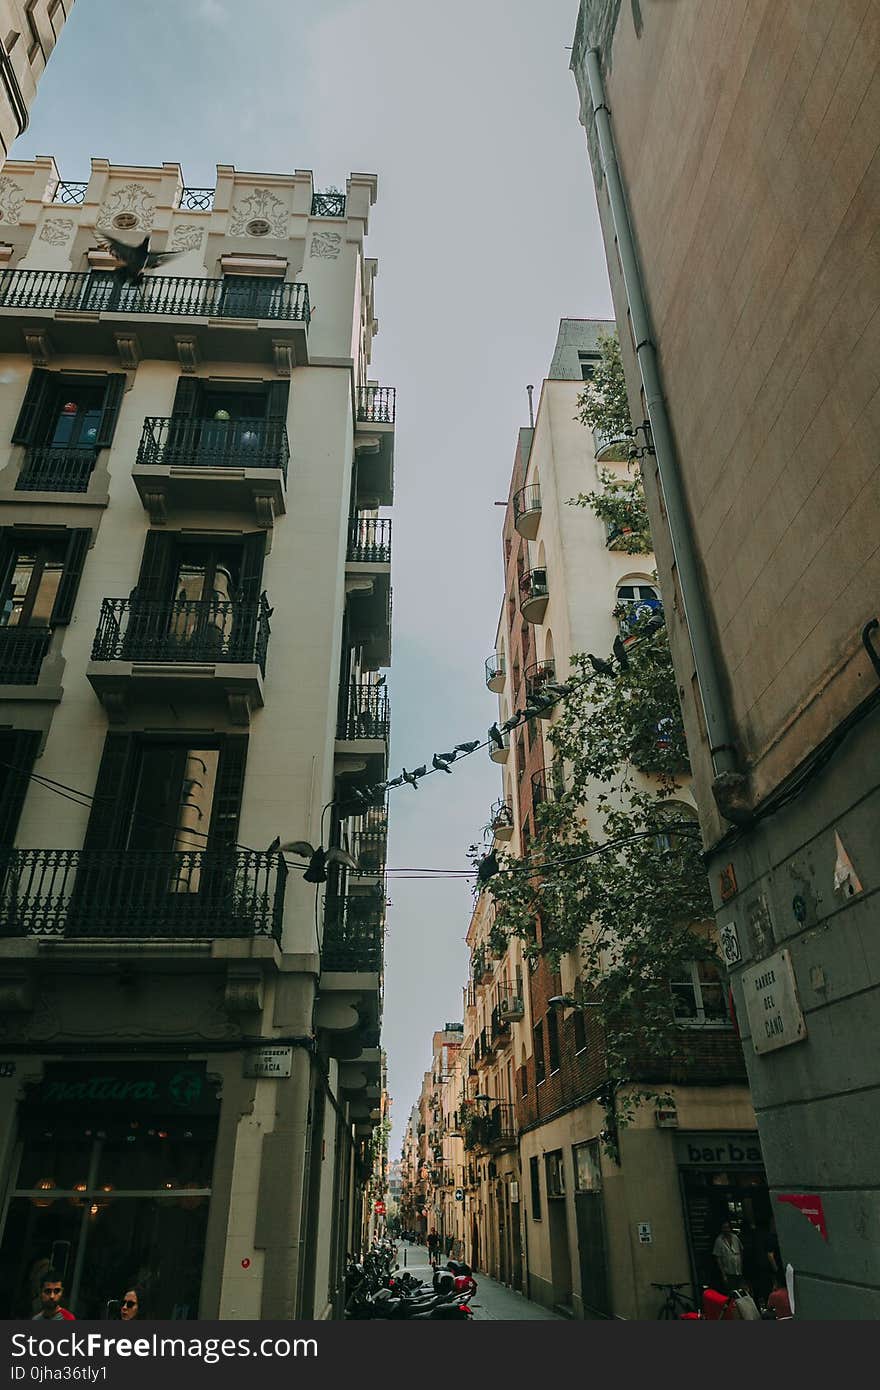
(486, 234)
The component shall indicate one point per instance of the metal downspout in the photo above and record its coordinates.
(721, 746)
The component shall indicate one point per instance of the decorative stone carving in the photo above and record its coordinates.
(16, 994)
(11, 201)
(156, 504)
(187, 353)
(129, 349)
(131, 198)
(239, 706)
(264, 507)
(57, 230)
(116, 705)
(283, 358)
(244, 991)
(326, 246)
(39, 345)
(187, 237)
(260, 203)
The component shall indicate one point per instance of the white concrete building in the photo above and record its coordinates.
(196, 604)
(29, 30)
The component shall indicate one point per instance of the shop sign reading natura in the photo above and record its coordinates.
(775, 1017)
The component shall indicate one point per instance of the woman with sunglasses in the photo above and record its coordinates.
(132, 1304)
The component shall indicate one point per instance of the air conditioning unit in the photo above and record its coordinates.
(511, 1009)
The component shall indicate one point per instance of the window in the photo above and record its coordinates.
(553, 1040)
(535, 1183)
(555, 1174)
(524, 1082)
(588, 363)
(540, 1065)
(18, 749)
(674, 812)
(699, 997)
(587, 1167)
(32, 584)
(39, 577)
(65, 418)
(579, 1028)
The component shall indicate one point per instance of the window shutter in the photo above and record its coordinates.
(74, 561)
(113, 394)
(223, 833)
(32, 406)
(7, 556)
(277, 400)
(155, 572)
(186, 398)
(18, 750)
(252, 564)
(111, 805)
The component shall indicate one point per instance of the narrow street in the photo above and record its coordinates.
(493, 1302)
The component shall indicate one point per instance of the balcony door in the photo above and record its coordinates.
(238, 422)
(39, 577)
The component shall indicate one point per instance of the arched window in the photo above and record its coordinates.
(636, 597)
(673, 813)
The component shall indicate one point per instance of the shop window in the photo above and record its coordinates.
(699, 995)
(553, 1040)
(587, 1167)
(540, 1064)
(555, 1174)
(535, 1184)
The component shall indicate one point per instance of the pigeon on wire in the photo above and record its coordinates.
(496, 736)
(395, 782)
(411, 778)
(318, 858)
(447, 757)
(510, 723)
(440, 765)
(600, 665)
(621, 653)
(467, 747)
(132, 261)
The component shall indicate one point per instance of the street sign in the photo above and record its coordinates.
(459, 1194)
(268, 1061)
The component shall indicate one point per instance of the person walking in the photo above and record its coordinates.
(433, 1246)
(727, 1253)
(51, 1294)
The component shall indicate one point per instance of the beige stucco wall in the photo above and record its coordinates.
(28, 34)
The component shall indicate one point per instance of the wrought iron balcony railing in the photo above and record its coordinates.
(533, 585)
(196, 199)
(376, 404)
(548, 784)
(239, 297)
(328, 204)
(501, 819)
(369, 539)
(500, 1026)
(353, 936)
(48, 468)
(501, 1125)
(214, 443)
(22, 650)
(141, 894)
(495, 672)
(366, 713)
(133, 629)
(70, 194)
(537, 674)
(527, 503)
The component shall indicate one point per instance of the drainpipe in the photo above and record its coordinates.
(721, 746)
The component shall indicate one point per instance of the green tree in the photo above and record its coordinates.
(603, 406)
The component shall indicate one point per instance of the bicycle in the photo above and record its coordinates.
(675, 1303)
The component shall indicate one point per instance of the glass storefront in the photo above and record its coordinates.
(111, 1187)
(722, 1179)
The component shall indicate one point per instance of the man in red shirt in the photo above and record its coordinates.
(778, 1301)
(51, 1293)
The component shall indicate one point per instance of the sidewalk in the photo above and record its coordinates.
(492, 1301)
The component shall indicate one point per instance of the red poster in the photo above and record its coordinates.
(810, 1204)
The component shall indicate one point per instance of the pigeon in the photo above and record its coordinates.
(467, 747)
(600, 665)
(132, 261)
(380, 680)
(420, 771)
(440, 765)
(411, 778)
(447, 757)
(487, 867)
(653, 626)
(496, 736)
(318, 858)
(395, 782)
(620, 653)
(510, 723)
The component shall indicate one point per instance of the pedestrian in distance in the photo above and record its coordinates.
(132, 1305)
(51, 1294)
(727, 1253)
(433, 1246)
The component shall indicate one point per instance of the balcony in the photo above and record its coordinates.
(227, 465)
(353, 936)
(500, 1127)
(369, 843)
(22, 650)
(536, 676)
(85, 312)
(511, 1009)
(362, 731)
(501, 820)
(375, 408)
(369, 542)
(499, 1027)
(481, 969)
(328, 204)
(368, 587)
(533, 595)
(496, 669)
(500, 755)
(547, 785)
(527, 511)
(196, 199)
(180, 649)
(47, 468)
(611, 447)
(202, 894)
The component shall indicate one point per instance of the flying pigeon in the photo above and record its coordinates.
(440, 765)
(495, 736)
(318, 858)
(411, 778)
(467, 747)
(132, 261)
(621, 653)
(600, 665)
